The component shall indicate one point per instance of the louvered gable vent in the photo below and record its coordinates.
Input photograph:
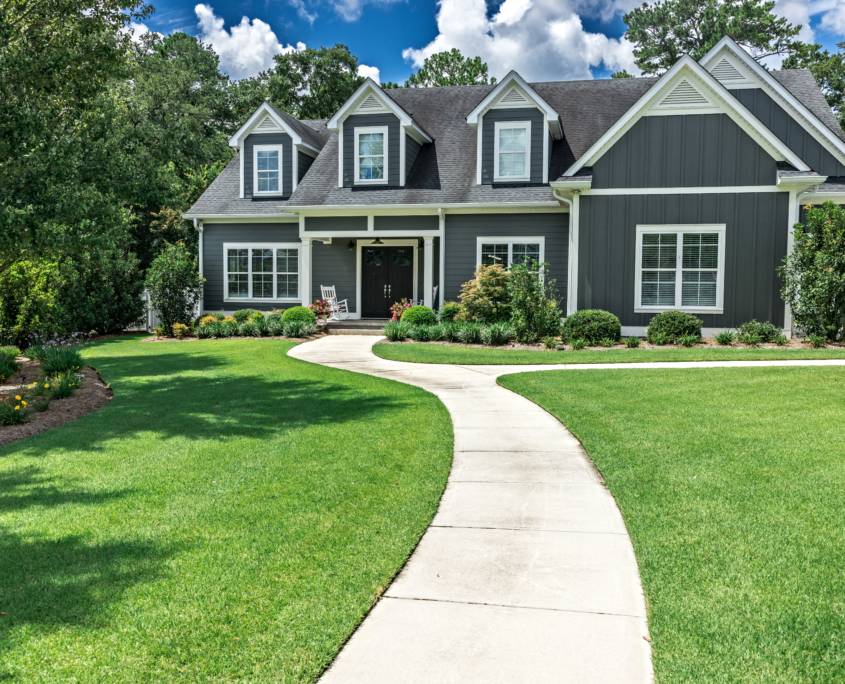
(370, 104)
(267, 125)
(684, 95)
(513, 96)
(725, 71)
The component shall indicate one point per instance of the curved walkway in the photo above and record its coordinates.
(526, 573)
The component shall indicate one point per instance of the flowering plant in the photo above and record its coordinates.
(13, 409)
(321, 307)
(399, 308)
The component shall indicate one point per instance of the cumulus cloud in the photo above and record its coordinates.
(541, 39)
(369, 72)
(351, 10)
(302, 10)
(245, 49)
(137, 30)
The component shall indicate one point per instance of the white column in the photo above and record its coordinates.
(794, 209)
(199, 227)
(441, 290)
(305, 271)
(428, 273)
(572, 295)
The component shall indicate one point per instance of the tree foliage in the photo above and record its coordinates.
(814, 274)
(665, 31)
(485, 298)
(534, 301)
(174, 285)
(449, 68)
(828, 70)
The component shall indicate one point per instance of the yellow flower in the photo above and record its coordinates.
(24, 403)
(18, 397)
(17, 408)
(46, 386)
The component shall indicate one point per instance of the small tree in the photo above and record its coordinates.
(449, 68)
(814, 274)
(485, 298)
(534, 302)
(174, 285)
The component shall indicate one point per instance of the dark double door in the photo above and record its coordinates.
(387, 276)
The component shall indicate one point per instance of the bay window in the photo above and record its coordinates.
(512, 151)
(266, 272)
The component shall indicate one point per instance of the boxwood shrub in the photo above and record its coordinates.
(299, 313)
(767, 332)
(672, 325)
(592, 325)
(419, 315)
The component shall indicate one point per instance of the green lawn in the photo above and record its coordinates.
(442, 353)
(732, 486)
(230, 516)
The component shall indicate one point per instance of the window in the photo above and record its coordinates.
(680, 267)
(371, 154)
(512, 153)
(507, 251)
(267, 160)
(261, 272)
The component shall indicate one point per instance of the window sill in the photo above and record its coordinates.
(370, 182)
(262, 301)
(513, 179)
(661, 309)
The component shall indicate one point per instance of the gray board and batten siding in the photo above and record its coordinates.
(215, 235)
(463, 231)
(357, 121)
(327, 224)
(287, 161)
(775, 118)
(488, 137)
(696, 150)
(755, 244)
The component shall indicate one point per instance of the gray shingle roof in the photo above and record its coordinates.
(833, 185)
(803, 86)
(311, 134)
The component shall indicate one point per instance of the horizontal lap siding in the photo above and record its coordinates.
(488, 137)
(421, 224)
(287, 161)
(364, 120)
(462, 231)
(325, 224)
(215, 235)
(334, 264)
(756, 239)
(696, 150)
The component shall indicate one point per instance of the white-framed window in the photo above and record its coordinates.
(267, 169)
(261, 272)
(680, 267)
(371, 154)
(512, 151)
(509, 250)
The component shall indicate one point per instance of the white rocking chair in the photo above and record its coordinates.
(339, 309)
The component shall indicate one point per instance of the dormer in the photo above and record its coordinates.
(275, 152)
(378, 141)
(516, 129)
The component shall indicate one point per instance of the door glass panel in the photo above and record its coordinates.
(402, 256)
(373, 257)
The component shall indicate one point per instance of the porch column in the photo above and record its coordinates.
(305, 271)
(428, 273)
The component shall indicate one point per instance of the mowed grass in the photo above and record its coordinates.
(230, 516)
(732, 486)
(456, 354)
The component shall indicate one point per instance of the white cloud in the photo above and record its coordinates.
(302, 10)
(246, 49)
(137, 30)
(369, 72)
(351, 10)
(833, 20)
(540, 39)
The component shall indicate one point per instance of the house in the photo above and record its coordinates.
(643, 194)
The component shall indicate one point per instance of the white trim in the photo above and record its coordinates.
(687, 191)
(794, 213)
(260, 245)
(369, 130)
(294, 165)
(639, 331)
(306, 270)
(428, 271)
(367, 242)
(371, 223)
(268, 148)
(247, 218)
(241, 152)
(546, 144)
(510, 242)
(680, 229)
(478, 150)
(687, 67)
(265, 109)
(198, 225)
(508, 125)
(340, 158)
(389, 209)
(441, 216)
(401, 156)
(367, 235)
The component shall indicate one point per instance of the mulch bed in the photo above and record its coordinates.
(93, 395)
(315, 336)
(706, 342)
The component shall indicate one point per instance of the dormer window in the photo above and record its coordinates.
(371, 154)
(512, 154)
(268, 169)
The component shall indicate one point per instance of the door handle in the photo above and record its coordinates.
(389, 290)
(385, 290)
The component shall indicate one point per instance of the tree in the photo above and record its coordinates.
(174, 285)
(665, 31)
(828, 70)
(449, 69)
(314, 84)
(621, 74)
(485, 298)
(534, 301)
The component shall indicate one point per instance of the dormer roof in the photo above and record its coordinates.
(270, 119)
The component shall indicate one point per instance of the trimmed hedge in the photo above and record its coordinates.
(592, 325)
(299, 313)
(668, 326)
(767, 332)
(243, 315)
(419, 315)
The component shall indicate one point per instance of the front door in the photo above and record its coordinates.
(387, 276)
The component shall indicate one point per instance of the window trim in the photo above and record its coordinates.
(680, 230)
(263, 148)
(510, 242)
(357, 158)
(261, 245)
(499, 125)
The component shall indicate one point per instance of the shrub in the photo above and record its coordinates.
(205, 320)
(658, 338)
(14, 410)
(301, 314)
(204, 330)
(448, 311)
(606, 342)
(496, 334)
(298, 328)
(632, 342)
(449, 331)
(767, 332)
(64, 384)
(726, 337)
(181, 330)
(421, 333)
(469, 333)
(8, 367)
(161, 331)
(174, 285)
(58, 360)
(10, 351)
(418, 315)
(243, 315)
(275, 315)
(229, 328)
(750, 339)
(817, 341)
(396, 331)
(579, 343)
(399, 308)
(437, 331)
(549, 342)
(781, 340)
(259, 326)
(534, 302)
(275, 325)
(216, 315)
(674, 324)
(688, 340)
(486, 298)
(591, 325)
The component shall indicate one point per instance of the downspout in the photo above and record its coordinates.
(570, 304)
(199, 227)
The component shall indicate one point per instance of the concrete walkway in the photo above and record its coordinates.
(526, 573)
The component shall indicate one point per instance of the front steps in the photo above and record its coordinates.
(364, 326)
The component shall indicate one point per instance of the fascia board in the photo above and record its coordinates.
(552, 117)
(264, 108)
(234, 217)
(432, 206)
(736, 110)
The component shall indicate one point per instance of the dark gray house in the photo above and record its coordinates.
(643, 195)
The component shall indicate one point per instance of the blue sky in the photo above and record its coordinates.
(541, 39)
